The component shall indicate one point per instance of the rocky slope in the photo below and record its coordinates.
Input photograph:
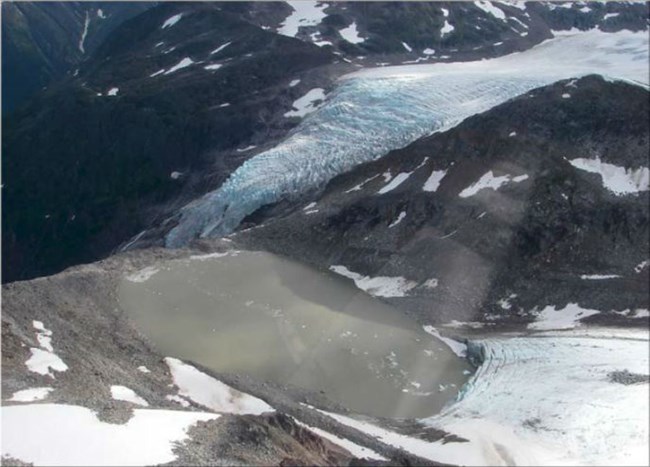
(42, 41)
(497, 218)
(67, 333)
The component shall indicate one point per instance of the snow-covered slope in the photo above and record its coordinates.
(376, 110)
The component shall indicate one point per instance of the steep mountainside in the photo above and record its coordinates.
(42, 41)
(83, 163)
(163, 107)
(499, 217)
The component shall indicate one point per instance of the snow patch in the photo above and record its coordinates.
(618, 180)
(42, 361)
(187, 61)
(214, 66)
(307, 103)
(399, 219)
(428, 51)
(351, 34)
(353, 448)
(169, 22)
(31, 395)
(407, 47)
(380, 286)
(220, 48)
(446, 29)
(641, 266)
(430, 283)
(211, 393)
(490, 9)
(555, 318)
(395, 182)
(144, 369)
(122, 393)
(305, 13)
(56, 434)
(84, 33)
(360, 185)
(294, 82)
(433, 182)
(489, 180)
(599, 276)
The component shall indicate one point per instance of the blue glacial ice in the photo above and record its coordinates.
(373, 111)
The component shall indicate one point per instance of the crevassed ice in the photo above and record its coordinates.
(376, 110)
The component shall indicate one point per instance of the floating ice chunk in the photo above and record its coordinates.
(566, 95)
(309, 206)
(428, 51)
(618, 180)
(305, 13)
(294, 82)
(555, 318)
(211, 393)
(380, 286)
(399, 219)
(142, 275)
(100, 14)
(156, 73)
(433, 182)
(489, 180)
(53, 434)
(512, 134)
(169, 22)
(31, 395)
(351, 34)
(175, 175)
(122, 393)
(307, 103)
(180, 65)
(113, 92)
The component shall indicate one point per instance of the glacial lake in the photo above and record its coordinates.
(274, 319)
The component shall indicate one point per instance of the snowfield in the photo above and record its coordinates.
(375, 110)
(55, 434)
(211, 393)
(619, 180)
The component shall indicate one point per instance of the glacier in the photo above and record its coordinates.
(373, 111)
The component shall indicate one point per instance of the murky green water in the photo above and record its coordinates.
(256, 313)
